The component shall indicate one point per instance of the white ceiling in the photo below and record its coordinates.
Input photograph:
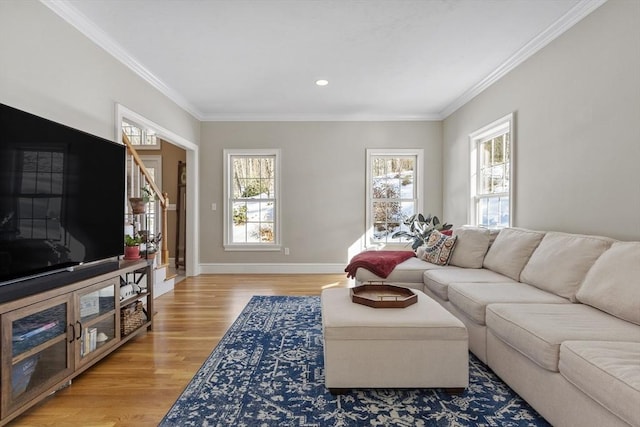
(384, 59)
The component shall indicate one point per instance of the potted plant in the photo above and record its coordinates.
(152, 243)
(420, 228)
(132, 247)
(139, 204)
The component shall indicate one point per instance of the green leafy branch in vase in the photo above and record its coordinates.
(420, 228)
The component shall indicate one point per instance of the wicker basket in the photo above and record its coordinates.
(132, 317)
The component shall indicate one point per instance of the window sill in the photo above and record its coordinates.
(252, 248)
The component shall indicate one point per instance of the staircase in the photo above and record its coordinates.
(139, 182)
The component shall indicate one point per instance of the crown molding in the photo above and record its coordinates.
(319, 118)
(66, 11)
(568, 20)
(70, 14)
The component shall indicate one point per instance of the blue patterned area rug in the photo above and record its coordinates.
(268, 371)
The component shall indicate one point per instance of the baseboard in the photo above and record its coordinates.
(267, 268)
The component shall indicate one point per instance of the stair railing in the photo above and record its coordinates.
(163, 198)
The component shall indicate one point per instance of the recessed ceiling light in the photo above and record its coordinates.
(322, 82)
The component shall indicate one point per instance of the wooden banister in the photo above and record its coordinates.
(164, 255)
(136, 158)
(163, 198)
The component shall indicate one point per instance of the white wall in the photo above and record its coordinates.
(323, 183)
(577, 139)
(49, 68)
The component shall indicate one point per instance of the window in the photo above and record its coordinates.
(393, 191)
(252, 199)
(491, 174)
(141, 138)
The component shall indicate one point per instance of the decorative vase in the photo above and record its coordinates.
(152, 257)
(132, 252)
(138, 206)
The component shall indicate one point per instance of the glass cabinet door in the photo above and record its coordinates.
(96, 316)
(38, 354)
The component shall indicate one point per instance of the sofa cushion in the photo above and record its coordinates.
(613, 283)
(471, 247)
(561, 261)
(511, 250)
(608, 372)
(537, 330)
(409, 271)
(437, 281)
(472, 298)
(439, 248)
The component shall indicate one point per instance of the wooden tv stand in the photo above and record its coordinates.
(53, 336)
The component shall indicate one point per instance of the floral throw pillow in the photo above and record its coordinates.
(439, 248)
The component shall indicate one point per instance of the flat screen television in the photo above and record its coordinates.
(61, 198)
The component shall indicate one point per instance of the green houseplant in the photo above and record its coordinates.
(420, 228)
(132, 247)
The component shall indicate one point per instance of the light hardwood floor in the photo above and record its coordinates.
(137, 384)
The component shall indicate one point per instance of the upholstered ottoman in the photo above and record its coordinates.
(420, 346)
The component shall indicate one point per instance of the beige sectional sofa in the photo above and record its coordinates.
(555, 315)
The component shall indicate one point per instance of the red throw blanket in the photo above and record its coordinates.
(380, 263)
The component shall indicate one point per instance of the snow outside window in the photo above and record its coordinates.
(491, 174)
(252, 199)
(393, 192)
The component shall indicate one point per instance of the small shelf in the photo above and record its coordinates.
(99, 318)
(37, 349)
(133, 298)
(136, 331)
(34, 329)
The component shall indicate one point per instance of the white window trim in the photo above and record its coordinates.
(371, 152)
(498, 127)
(227, 230)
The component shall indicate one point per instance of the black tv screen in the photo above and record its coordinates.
(61, 196)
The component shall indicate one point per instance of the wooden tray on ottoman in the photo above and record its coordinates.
(383, 296)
